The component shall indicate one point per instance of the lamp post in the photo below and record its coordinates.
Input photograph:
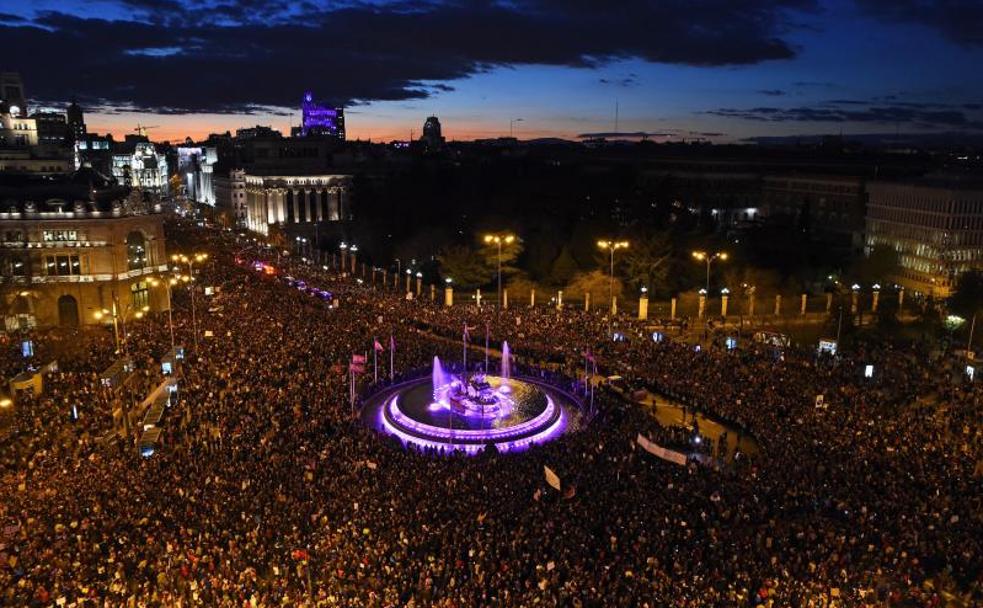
(167, 283)
(612, 246)
(704, 256)
(499, 240)
(119, 320)
(190, 261)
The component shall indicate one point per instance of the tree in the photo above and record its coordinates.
(464, 266)
(967, 298)
(878, 266)
(489, 254)
(595, 283)
(647, 262)
(564, 267)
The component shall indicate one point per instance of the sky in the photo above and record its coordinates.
(722, 70)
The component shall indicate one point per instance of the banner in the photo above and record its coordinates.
(657, 450)
(551, 478)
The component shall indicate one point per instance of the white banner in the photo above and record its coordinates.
(551, 478)
(657, 450)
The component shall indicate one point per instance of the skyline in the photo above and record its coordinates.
(795, 67)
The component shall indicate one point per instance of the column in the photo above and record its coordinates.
(643, 306)
(778, 304)
(319, 197)
(724, 296)
(877, 297)
(343, 204)
(333, 202)
(587, 302)
(433, 292)
(829, 301)
(448, 296)
(672, 309)
(614, 305)
(505, 299)
(559, 299)
(802, 306)
(296, 205)
(477, 297)
(703, 304)
(532, 298)
(900, 299)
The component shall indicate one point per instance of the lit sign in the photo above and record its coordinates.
(731, 343)
(868, 371)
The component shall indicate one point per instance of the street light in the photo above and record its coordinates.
(499, 239)
(168, 283)
(703, 256)
(190, 261)
(612, 246)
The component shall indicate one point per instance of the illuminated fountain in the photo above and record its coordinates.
(471, 411)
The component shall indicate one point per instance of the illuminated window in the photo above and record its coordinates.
(140, 295)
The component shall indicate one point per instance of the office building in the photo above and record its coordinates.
(935, 225)
(139, 164)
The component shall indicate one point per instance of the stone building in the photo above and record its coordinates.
(292, 200)
(66, 255)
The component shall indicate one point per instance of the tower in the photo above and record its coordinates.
(76, 122)
(12, 92)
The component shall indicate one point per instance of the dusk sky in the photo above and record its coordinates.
(680, 69)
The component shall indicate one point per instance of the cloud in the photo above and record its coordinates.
(631, 80)
(960, 21)
(772, 92)
(922, 115)
(232, 54)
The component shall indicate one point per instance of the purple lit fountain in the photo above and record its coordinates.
(471, 411)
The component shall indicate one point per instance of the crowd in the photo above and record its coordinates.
(266, 491)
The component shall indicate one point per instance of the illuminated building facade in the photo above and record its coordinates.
(143, 167)
(62, 260)
(230, 194)
(432, 137)
(322, 120)
(936, 226)
(295, 200)
(195, 168)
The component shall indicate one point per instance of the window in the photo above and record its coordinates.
(59, 236)
(140, 294)
(136, 252)
(62, 265)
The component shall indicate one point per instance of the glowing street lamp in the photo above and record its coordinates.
(703, 256)
(612, 246)
(498, 240)
(190, 261)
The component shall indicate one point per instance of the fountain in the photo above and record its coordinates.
(469, 411)
(438, 376)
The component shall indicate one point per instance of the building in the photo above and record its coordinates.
(195, 166)
(256, 132)
(141, 166)
(36, 161)
(831, 208)
(16, 129)
(95, 151)
(12, 93)
(291, 200)
(73, 248)
(321, 120)
(432, 138)
(52, 129)
(230, 195)
(935, 225)
(76, 122)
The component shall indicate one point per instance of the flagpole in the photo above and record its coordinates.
(375, 360)
(486, 349)
(392, 351)
(464, 350)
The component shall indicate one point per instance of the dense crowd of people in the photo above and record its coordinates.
(265, 490)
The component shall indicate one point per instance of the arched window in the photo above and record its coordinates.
(136, 250)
